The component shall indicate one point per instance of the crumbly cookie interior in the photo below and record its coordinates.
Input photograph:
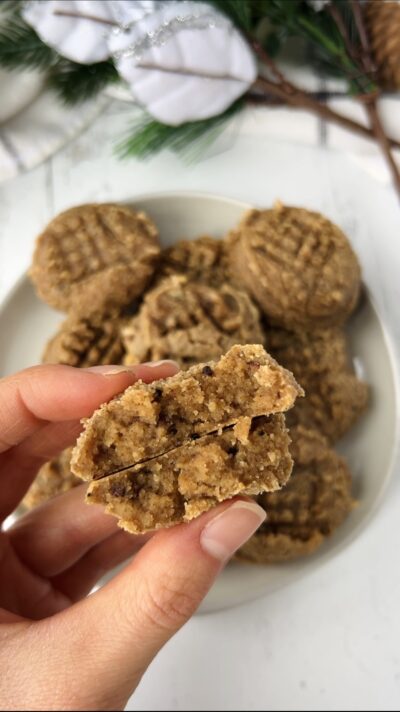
(248, 458)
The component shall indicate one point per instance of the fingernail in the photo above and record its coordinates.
(111, 370)
(231, 529)
(156, 364)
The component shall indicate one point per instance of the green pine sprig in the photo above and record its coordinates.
(20, 46)
(332, 36)
(148, 136)
(241, 13)
(320, 31)
(75, 83)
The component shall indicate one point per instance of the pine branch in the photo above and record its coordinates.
(239, 11)
(10, 8)
(302, 100)
(148, 136)
(74, 83)
(367, 61)
(319, 29)
(21, 47)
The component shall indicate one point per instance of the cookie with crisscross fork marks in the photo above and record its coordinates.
(190, 322)
(54, 478)
(315, 501)
(94, 257)
(202, 259)
(335, 397)
(298, 266)
(84, 341)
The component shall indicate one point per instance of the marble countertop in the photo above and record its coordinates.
(331, 640)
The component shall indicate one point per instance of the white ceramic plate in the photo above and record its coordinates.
(26, 324)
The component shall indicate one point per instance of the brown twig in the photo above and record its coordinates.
(284, 91)
(371, 101)
(93, 18)
(341, 25)
(269, 62)
(302, 100)
(288, 93)
(183, 72)
(268, 99)
(382, 139)
(366, 56)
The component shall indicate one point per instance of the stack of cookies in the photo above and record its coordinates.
(285, 278)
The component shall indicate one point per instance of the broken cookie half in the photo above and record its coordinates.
(193, 478)
(164, 452)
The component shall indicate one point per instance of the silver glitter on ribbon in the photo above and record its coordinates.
(166, 31)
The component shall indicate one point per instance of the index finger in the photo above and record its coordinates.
(54, 393)
(42, 402)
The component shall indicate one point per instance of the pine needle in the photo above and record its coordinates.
(74, 83)
(239, 11)
(148, 136)
(20, 46)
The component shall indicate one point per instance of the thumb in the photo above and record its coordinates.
(118, 630)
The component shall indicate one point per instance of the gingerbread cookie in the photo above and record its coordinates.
(315, 501)
(190, 322)
(85, 341)
(53, 478)
(148, 420)
(297, 265)
(183, 483)
(95, 257)
(334, 397)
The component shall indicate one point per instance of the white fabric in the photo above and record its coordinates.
(79, 29)
(206, 64)
(41, 129)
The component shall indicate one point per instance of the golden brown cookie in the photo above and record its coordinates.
(334, 397)
(297, 265)
(86, 341)
(315, 501)
(189, 480)
(190, 322)
(148, 420)
(333, 405)
(53, 478)
(95, 257)
(201, 259)
(314, 352)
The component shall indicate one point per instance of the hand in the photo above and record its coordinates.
(60, 649)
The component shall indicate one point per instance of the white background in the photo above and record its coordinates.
(330, 641)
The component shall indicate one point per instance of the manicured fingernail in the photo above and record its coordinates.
(156, 364)
(231, 529)
(112, 370)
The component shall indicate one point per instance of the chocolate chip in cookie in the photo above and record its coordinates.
(140, 424)
(189, 480)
